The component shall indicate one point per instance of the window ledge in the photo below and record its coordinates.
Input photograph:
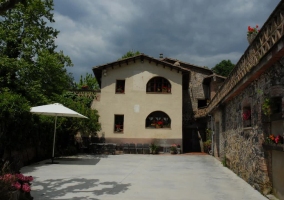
(157, 128)
(276, 147)
(158, 93)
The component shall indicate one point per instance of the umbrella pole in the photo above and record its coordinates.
(54, 139)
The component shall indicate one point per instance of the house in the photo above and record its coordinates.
(145, 99)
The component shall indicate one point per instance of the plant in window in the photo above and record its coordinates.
(118, 128)
(165, 89)
(266, 107)
(119, 89)
(272, 139)
(247, 114)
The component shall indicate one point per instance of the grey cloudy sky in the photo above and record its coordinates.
(201, 32)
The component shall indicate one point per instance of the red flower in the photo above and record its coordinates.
(278, 139)
(160, 122)
(252, 30)
(246, 115)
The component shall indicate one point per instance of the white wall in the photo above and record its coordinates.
(136, 105)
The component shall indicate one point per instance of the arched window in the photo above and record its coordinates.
(158, 85)
(158, 119)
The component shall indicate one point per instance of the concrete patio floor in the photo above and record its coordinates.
(128, 177)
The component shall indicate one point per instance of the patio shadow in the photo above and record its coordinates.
(79, 188)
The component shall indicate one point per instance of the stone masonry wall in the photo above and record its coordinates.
(241, 147)
(196, 87)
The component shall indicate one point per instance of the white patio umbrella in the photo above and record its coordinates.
(56, 110)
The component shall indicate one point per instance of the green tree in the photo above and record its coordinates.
(9, 4)
(82, 105)
(32, 73)
(29, 64)
(88, 81)
(130, 54)
(223, 68)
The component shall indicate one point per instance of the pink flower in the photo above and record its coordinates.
(20, 177)
(278, 139)
(26, 187)
(17, 185)
(30, 178)
(8, 178)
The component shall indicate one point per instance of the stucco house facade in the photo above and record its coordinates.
(144, 99)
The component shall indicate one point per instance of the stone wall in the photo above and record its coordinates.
(196, 87)
(240, 146)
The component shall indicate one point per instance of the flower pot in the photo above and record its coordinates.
(250, 38)
(178, 150)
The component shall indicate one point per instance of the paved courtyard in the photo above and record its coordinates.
(129, 177)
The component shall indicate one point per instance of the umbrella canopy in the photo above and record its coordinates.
(55, 109)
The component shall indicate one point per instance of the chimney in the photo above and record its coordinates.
(161, 56)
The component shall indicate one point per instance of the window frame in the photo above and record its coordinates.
(118, 123)
(158, 85)
(120, 86)
(158, 120)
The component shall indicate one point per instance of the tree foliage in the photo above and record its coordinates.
(223, 68)
(33, 73)
(29, 64)
(5, 5)
(89, 81)
(82, 105)
(130, 54)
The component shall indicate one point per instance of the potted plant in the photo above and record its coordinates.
(178, 149)
(154, 148)
(207, 146)
(272, 139)
(251, 33)
(159, 124)
(18, 185)
(173, 149)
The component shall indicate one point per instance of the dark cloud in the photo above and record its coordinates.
(201, 32)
